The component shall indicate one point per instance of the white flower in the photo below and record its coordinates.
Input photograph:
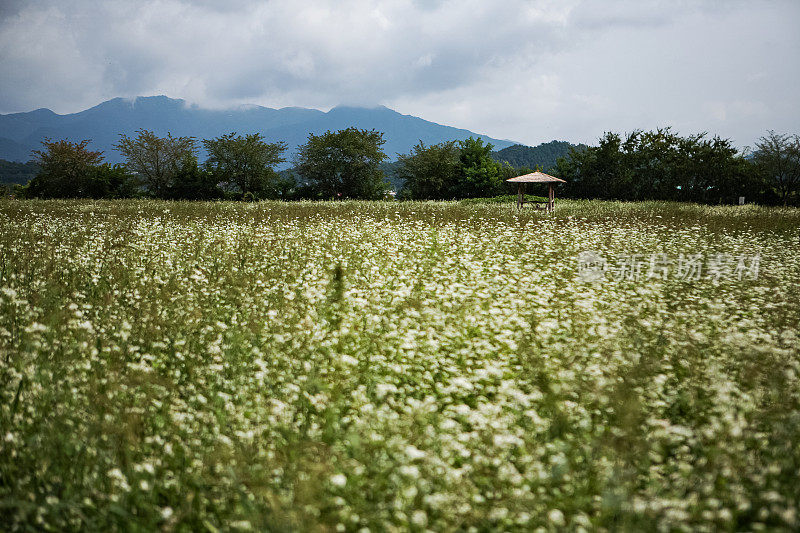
(36, 327)
(409, 471)
(8, 291)
(414, 453)
(348, 360)
(382, 389)
(86, 325)
(339, 480)
(556, 517)
(419, 518)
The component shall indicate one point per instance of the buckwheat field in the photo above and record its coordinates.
(388, 366)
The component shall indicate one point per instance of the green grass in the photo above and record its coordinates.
(394, 366)
(507, 199)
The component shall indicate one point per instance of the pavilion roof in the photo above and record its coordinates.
(536, 177)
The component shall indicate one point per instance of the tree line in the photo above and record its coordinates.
(661, 165)
(333, 165)
(654, 165)
(342, 164)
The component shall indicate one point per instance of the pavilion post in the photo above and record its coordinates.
(551, 197)
(520, 196)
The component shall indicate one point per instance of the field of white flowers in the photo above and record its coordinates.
(384, 366)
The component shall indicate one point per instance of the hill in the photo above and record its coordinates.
(22, 132)
(12, 172)
(544, 155)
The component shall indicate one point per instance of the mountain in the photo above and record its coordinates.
(22, 132)
(544, 155)
(12, 150)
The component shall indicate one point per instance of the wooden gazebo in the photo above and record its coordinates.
(536, 177)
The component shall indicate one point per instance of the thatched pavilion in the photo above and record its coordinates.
(536, 177)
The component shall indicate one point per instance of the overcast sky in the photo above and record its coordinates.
(525, 70)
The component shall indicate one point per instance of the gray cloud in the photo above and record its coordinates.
(522, 69)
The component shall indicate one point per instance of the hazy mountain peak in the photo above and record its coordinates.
(104, 122)
(42, 111)
(347, 107)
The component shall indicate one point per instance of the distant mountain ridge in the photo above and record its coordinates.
(22, 132)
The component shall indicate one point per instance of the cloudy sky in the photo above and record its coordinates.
(526, 70)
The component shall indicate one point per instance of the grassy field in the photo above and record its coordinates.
(398, 366)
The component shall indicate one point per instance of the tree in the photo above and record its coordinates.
(344, 164)
(64, 169)
(192, 182)
(712, 171)
(157, 159)
(110, 181)
(777, 159)
(245, 162)
(430, 172)
(592, 172)
(479, 173)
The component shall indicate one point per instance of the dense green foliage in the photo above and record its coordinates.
(430, 172)
(194, 182)
(98, 181)
(661, 165)
(463, 169)
(245, 162)
(323, 366)
(657, 165)
(544, 156)
(343, 164)
(479, 174)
